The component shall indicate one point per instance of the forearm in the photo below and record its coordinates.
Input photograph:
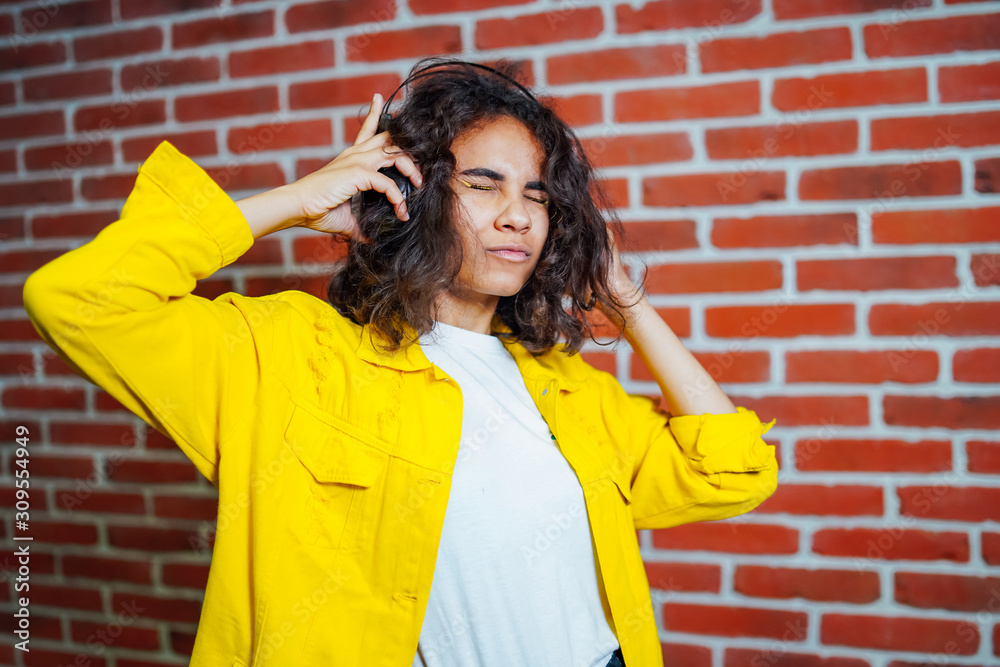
(269, 212)
(687, 387)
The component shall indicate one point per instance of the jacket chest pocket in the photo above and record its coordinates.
(333, 495)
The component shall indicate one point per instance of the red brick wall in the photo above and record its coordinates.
(812, 183)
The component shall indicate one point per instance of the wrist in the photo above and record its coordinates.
(270, 211)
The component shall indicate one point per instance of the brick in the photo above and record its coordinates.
(945, 35)
(112, 186)
(937, 132)
(957, 225)
(107, 568)
(610, 64)
(977, 365)
(167, 73)
(68, 16)
(873, 455)
(877, 273)
(851, 89)
(248, 177)
(819, 585)
(731, 537)
(285, 135)
(89, 433)
(969, 83)
(763, 142)
(779, 320)
(187, 575)
(820, 500)
(332, 14)
(967, 318)
(991, 550)
(638, 149)
(776, 50)
(802, 9)
(985, 269)
(776, 231)
(409, 43)
(222, 29)
(740, 98)
(151, 539)
(900, 634)
(192, 144)
(687, 655)
(946, 591)
(103, 502)
(644, 235)
(186, 507)
(107, 117)
(339, 92)
(32, 193)
(742, 366)
(714, 189)
(68, 85)
(96, 634)
(779, 657)
(987, 175)
(36, 123)
(550, 27)
(7, 94)
(65, 467)
(731, 621)
(65, 156)
(134, 9)
(278, 59)
(117, 44)
(18, 330)
(683, 576)
(24, 56)
(19, 364)
(882, 182)
(893, 543)
(448, 6)
(85, 224)
(697, 277)
(229, 103)
(745, 366)
(857, 366)
(179, 610)
(577, 110)
(983, 457)
(955, 503)
(675, 14)
(63, 532)
(146, 471)
(960, 412)
(43, 398)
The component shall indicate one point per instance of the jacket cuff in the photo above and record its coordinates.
(723, 443)
(200, 198)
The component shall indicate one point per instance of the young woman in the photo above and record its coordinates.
(422, 471)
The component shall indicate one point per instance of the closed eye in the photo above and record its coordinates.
(477, 186)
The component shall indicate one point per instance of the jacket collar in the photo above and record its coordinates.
(412, 357)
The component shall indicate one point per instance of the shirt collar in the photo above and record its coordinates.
(412, 357)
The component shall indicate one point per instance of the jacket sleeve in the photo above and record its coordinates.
(692, 467)
(119, 309)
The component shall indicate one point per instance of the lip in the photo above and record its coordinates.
(510, 255)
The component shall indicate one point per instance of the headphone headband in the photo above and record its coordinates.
(426, 72)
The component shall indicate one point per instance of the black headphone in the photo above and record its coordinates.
(373, 199)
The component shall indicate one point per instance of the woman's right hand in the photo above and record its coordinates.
(324, 196)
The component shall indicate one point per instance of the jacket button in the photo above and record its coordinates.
(545, 391)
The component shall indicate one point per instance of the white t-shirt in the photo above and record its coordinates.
(515, 582)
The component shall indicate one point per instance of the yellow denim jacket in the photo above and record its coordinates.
(332, 459)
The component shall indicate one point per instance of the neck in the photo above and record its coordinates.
(471, 313)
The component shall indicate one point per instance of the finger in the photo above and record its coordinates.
(370, 125)
(388, 187)
(406, 166)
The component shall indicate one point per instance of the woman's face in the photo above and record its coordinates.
(502, 203)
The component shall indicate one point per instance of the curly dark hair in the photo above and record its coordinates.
(396, 279)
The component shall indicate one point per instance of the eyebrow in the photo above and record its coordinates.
(496, 176)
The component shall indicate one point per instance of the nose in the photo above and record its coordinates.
(514, 216)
